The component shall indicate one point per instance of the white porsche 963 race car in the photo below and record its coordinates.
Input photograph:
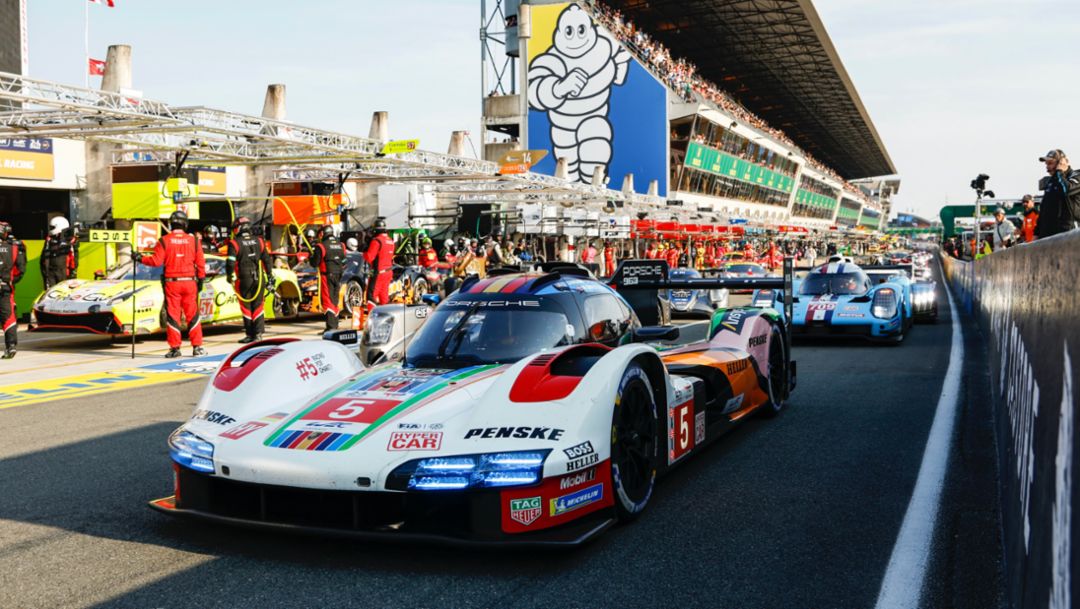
(530, 408)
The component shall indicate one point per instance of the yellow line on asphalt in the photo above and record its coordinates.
(37, 392)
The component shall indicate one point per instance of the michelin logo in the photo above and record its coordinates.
(572, 83)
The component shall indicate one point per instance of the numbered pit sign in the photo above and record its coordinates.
(146, 235)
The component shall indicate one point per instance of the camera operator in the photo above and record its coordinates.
(1061, 196)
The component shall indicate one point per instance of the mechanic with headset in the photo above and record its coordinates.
(328, 256)
(185, 270)
(248, 268)
(380, 255)
(60, 253)
(12, 269)
(211, 238)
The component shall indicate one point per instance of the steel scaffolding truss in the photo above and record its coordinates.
(153, 132)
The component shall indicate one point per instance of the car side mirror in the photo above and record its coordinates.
(431, 300)
(647, 334)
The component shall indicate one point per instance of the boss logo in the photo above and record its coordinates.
(579, 450)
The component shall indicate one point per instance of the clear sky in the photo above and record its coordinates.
(955, 87)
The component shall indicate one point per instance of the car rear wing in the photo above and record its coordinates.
(882, 269)
(639, 281)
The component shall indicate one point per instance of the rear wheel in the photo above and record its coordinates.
(285, 307)
(634, 444)
(420, 287)
(777, 384)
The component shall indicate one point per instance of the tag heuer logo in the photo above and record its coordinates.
(525, 511)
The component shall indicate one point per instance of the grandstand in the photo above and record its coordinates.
(761, 123)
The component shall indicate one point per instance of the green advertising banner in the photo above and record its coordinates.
(848, 213)
(719, 163)
(813, 199)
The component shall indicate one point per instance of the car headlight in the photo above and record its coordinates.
(191, 451)
(884, 304)
(492, 470)
(380, 328)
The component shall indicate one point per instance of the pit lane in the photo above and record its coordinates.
(800, 511)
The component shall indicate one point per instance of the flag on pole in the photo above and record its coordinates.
(109, 3)
(97, 67)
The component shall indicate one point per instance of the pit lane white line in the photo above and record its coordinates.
(902, 586)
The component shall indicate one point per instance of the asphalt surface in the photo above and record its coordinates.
(799, 511)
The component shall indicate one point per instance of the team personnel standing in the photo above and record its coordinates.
(211, 237)
(1004, 230)
(1031, 219)
(1061, 196)
(609, 259)
(248, 268)
(328, 255)
(59, 254)
(185, 269)
(427, 257)
(380, 255)
(12, 269)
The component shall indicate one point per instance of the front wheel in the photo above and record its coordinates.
(634, 444)
(354, 297)
(777, 381)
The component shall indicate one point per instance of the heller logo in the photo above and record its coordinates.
(582, 462)
(415, 440)
(525, 511)
(579, 499)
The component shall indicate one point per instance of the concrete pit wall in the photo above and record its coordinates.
(1026, 302)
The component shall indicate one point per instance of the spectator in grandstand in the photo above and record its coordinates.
(1031, 218)
(1061, 195)
(1004, 230)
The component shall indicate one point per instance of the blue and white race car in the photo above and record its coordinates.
(841, 298)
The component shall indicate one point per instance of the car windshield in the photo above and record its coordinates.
(470, 332)
(839, 284)
(144, 272)
(746, 269)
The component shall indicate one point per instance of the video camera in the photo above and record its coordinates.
(979, 183)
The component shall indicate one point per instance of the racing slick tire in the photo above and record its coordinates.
(778, 375)
(634, 443)
(354, 296)
(420, 287)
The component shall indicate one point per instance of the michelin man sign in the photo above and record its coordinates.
(591, 103)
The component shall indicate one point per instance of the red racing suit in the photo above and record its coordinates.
(380, 255)
(185, 269)
(12, 269)
(428, 258)
(609, 261)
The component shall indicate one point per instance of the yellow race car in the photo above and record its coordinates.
(105, 306)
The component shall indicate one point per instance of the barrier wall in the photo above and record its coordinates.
(1026, 301)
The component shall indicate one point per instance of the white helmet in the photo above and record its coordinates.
(352, 244)
(58, 225)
